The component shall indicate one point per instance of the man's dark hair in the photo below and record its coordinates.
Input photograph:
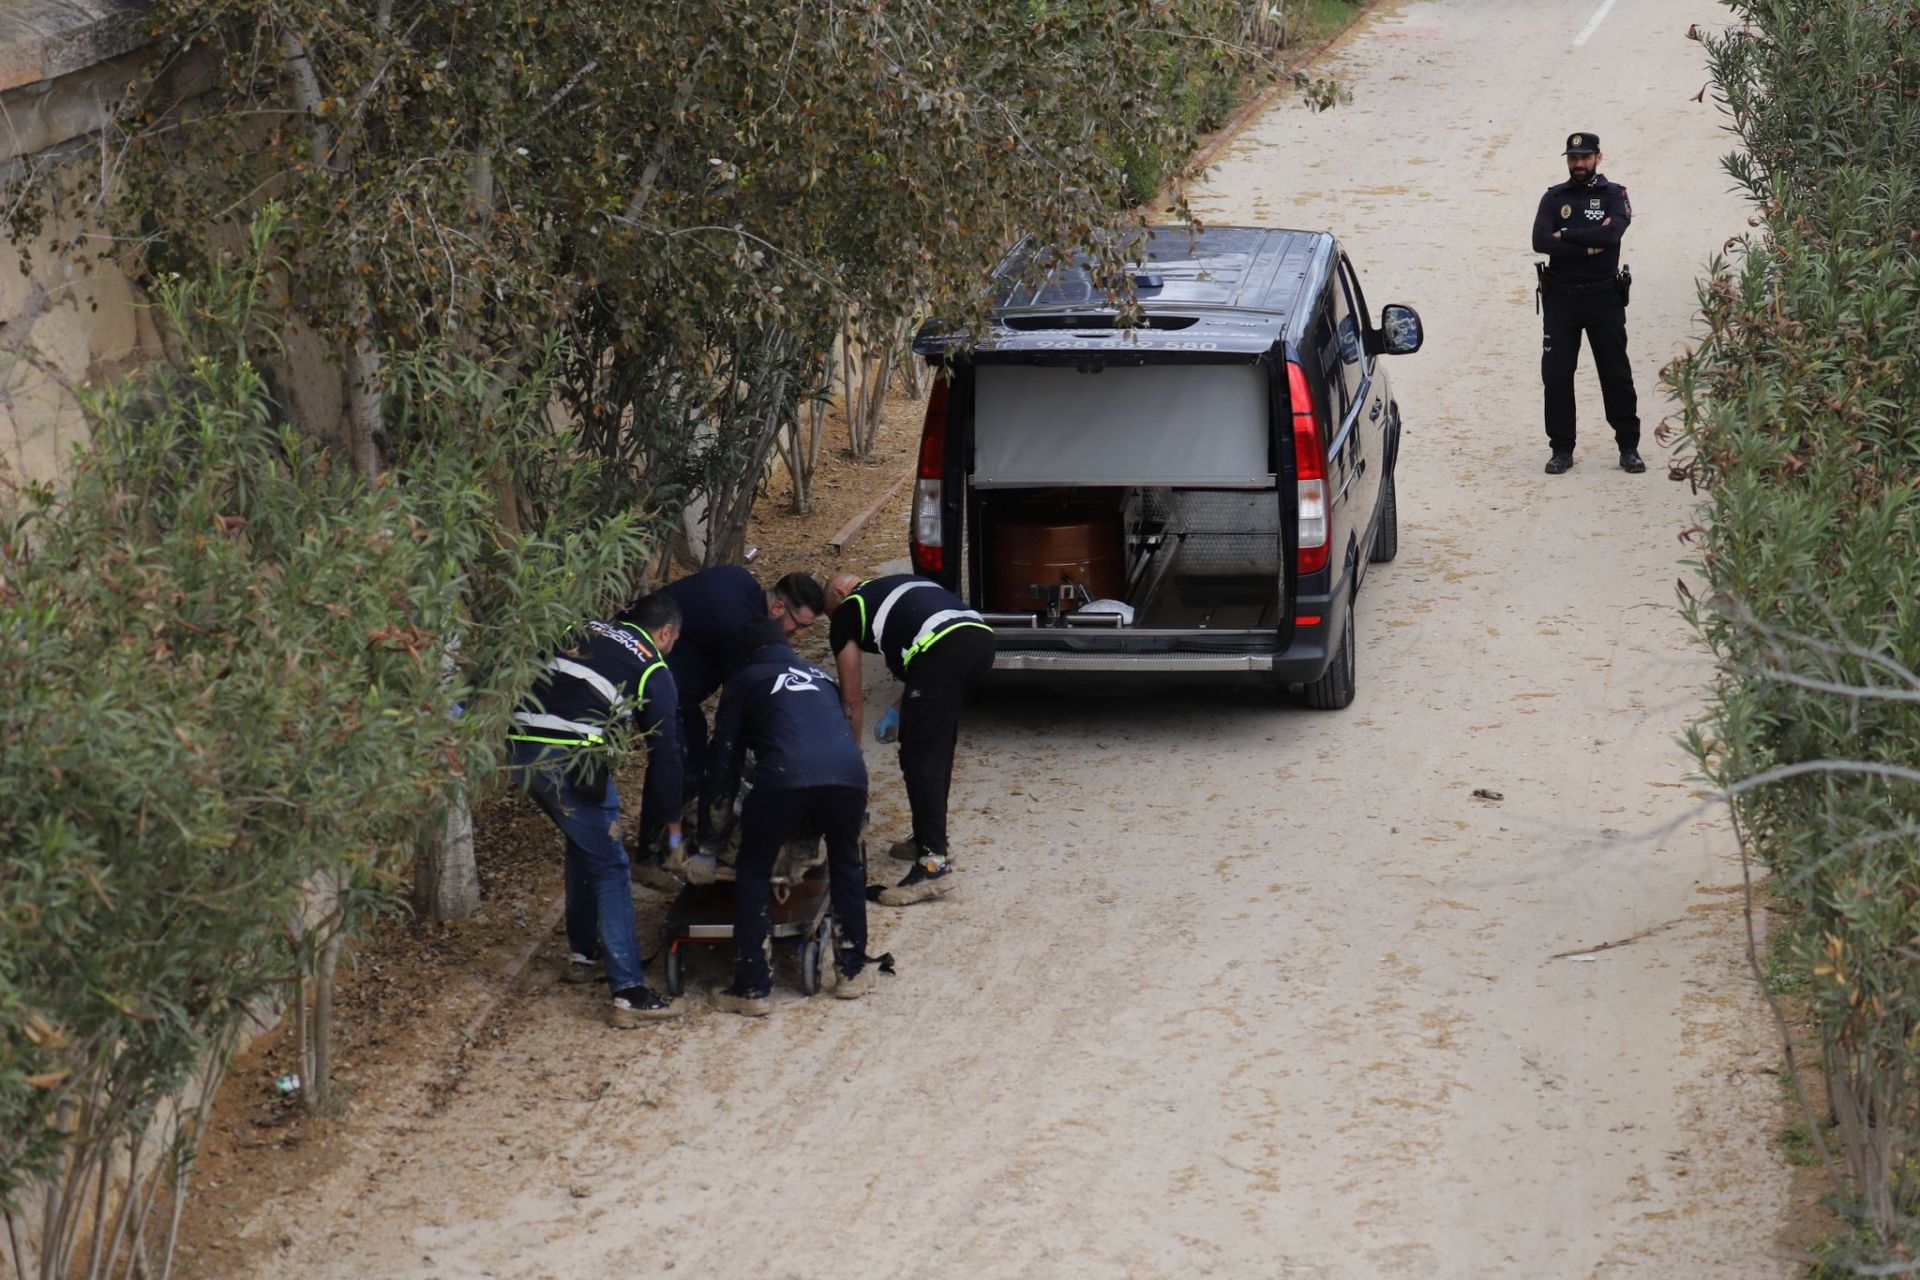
(751, 639)
(652, 611)
(800, 591)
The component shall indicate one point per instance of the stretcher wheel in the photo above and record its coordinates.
(810, 960)
(676, 974)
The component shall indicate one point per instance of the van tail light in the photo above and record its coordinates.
(1310, 468)
(927, 534)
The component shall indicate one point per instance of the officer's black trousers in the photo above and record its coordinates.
(1603, 318)
(770, 817)
(939, 681)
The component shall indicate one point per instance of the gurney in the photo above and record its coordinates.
(702, 914)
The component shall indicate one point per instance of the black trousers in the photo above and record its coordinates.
(770, 818)
(1603, 318)
(940, 679)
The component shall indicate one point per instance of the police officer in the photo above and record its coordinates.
(714, 605)
(559, 750)
(1582, 290)
(809, 777)
(941, 649)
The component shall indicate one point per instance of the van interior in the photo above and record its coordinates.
(1152, 486)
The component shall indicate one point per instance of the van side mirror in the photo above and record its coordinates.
(1400, 331)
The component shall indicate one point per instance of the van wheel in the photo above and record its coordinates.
(1386, 539)
(1334, 690)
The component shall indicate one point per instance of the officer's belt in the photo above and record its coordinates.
(1576, 288)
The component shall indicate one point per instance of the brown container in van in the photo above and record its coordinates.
(1052, 535)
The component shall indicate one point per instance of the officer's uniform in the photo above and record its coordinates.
(1580, 292)
(606, 673)
(808, 776)
(714, 605)
(942, 650)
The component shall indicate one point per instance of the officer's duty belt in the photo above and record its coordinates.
(1577, 288)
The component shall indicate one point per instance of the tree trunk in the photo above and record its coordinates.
(446, 878)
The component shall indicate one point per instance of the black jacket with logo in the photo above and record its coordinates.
(1577, 211)
(789, 712)
(604, 674)
(898, 617)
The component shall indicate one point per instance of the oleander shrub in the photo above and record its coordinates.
(1801, 423)
(225, 714)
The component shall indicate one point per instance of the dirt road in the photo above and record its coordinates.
(1233, 988)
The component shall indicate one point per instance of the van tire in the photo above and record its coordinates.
(1386, 538)
(1334, 689)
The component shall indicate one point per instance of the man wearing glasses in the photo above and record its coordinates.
(715, 606)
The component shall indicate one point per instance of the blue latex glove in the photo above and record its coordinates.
(888, 730)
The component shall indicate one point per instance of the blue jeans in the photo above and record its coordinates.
(599, 882)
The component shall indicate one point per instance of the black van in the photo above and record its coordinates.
(1194, 497)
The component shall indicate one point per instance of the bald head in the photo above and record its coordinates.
(839, 587)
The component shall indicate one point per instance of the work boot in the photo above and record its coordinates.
(930, 877)
(1630, 462)
(635, 1005)
(1559, 462)
(652, 874)
(578, 969)
(744, 1003)
(854, 985)
(907, 850)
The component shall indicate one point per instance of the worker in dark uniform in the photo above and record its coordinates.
(809, 778)
(941, 649)
(714, 605)
(561, 749)
(1582, 290)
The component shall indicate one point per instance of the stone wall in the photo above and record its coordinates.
(63, 63)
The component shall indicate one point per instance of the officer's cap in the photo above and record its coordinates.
(1582, 144)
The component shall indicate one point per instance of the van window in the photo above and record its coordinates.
(1327, 352)
(1353, 371)
(1155, 424)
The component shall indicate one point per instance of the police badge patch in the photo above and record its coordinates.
(1566, 211)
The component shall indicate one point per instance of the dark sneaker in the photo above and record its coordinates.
(636, 1005)
(1559, 462)
(854, 985)
(651, 873)
(1630, 462)
(931, 877)
(907, 850)
(579, 968)
(745, 1003)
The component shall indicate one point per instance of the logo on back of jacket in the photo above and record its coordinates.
(625, 638)
(797, 679)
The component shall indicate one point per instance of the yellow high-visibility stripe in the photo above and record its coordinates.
(926, 644)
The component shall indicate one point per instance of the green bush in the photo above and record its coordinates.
(223, 722)
(1802, 412)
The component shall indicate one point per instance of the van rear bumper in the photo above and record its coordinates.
(1021, 660)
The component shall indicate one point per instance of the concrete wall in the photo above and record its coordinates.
(63, 64)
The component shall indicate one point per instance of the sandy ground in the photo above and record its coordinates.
(1232, 988)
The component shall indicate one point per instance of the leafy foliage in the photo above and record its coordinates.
(1802, 410)
(667, 182)
(222, 683)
